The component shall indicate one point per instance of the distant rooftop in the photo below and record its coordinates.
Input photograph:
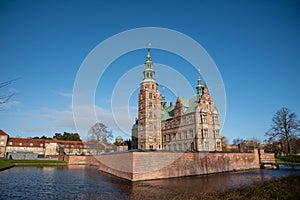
(2, 132)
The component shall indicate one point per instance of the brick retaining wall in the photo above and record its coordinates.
(77, 160)
(154, 165)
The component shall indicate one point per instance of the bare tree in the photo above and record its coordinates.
(238, 142)
(5, 98)
(225, 145)
(100, 133)
(284, 127)
(98, 137)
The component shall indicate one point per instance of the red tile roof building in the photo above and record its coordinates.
(41, 147)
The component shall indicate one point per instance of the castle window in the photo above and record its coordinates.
(179, 147)
(203, 118)
(185, 134)
(206, 146)
(152, 86)
(191, 133)
(215, 119)
(150, 95)
(178, 136)
(216, 133)
(165, 138)
(150, 104)
(218, 146)
(150, 126)
(174, 147)
(190, 119)
(204, 133)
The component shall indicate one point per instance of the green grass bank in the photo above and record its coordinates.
(4, 164)
(39, 162)
(288, 160)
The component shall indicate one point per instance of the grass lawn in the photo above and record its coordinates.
(10, 163)
(5, 164)
(289, 160)
(39, 162)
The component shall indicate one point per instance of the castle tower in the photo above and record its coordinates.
(149, 110)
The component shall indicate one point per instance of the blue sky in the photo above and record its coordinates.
(255, 45)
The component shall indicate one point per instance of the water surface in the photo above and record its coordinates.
(84, 182)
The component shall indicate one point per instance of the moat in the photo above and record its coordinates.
(84, 182)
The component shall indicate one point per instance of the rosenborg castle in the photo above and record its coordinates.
(191, 124)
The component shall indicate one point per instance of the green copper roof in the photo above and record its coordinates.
(149, 73)
(163, 99)
(189, 105)
(199, 86)
(167, 113)
(148, 58)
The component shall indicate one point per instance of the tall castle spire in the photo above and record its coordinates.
(148, 133)
(199, 86)
(149, 73)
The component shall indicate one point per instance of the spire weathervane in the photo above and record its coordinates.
(149, 45)
(148, 56)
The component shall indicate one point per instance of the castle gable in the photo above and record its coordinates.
(187, 106)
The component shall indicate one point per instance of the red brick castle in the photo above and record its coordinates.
(189, 125)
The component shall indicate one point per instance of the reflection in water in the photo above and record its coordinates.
(85, 182)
